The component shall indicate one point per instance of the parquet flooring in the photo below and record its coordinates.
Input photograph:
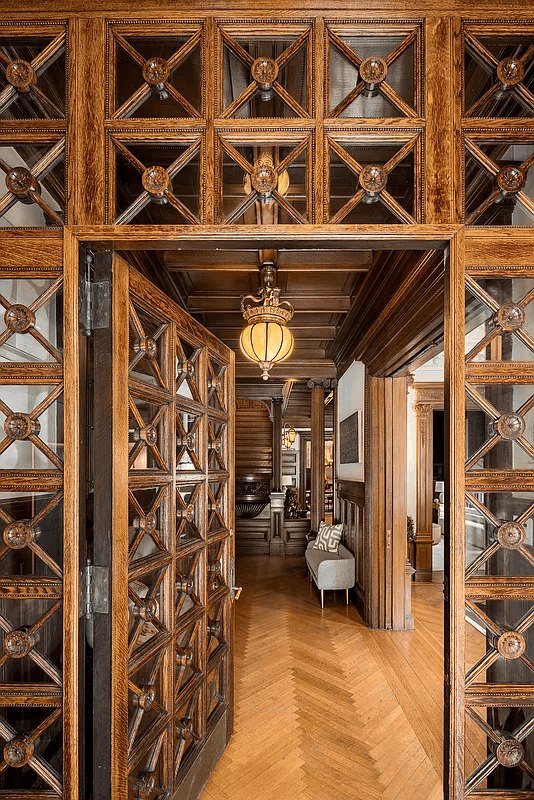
(325, 708)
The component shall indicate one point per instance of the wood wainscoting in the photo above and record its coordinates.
(351, 495)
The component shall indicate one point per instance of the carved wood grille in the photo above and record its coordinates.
(33, 563)
(33, 108)
(499, 552)
(279, 95)
(179, 558)
(498, 89)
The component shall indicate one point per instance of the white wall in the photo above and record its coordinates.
(350, 398)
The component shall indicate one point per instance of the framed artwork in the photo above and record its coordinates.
(350, 430)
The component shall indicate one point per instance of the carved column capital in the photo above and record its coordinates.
(423, 409)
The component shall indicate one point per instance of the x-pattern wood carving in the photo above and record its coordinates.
(19, 426)
(22, 76)
(19, 643)
(510, 535)
(509, 73)
(187, 582)
(145, 522)
(21, 319)
(146, 346)
(187, 664)
(145, 698)
(187, 728)
(20, 750)
(508, 643)
(25, 533)
(215, 566)
(510, 180)
(252, 170)
(216, 627)
(23, 183)
(506, 747)
(156, 182)
(187, 368)
(372, 180)
(264, 73)
(217, 444)
(144, 782)
(216, 385)
(188, 427)
(146, 603)
(157, 74)
(507, 426)
(187, 511)
(507, 318)
(216, 694)
(374, 73)
(216, 506)
(147, 434)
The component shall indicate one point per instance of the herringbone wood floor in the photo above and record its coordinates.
(325, 708)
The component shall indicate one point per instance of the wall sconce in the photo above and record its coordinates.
(289, 435)
(266, 339)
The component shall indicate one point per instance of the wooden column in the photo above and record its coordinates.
(276, 405)
(424, 493)
(317, 455)
(386, 603)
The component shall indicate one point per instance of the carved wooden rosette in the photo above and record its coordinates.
(510, 72)
(18, 318)
(511, 179)
(373, 71)
(264, 71)
(373, 179)
(21, 75)
(156, 181)
(156, 72)
(511, 644)
(510, 317)
(510, 752)
(21, 183)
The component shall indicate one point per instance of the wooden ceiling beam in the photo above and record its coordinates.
(217, 304)
(286, 260)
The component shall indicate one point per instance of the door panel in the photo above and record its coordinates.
(176, 536)
(492, 647)
(39, 538)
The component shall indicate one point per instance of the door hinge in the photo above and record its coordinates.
(94, 300)
(94, 590)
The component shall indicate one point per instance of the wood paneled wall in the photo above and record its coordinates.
(351, 495)
(253, 438)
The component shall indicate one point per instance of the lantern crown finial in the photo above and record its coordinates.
(266, 339)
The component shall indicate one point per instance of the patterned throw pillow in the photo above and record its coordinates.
(328, 537)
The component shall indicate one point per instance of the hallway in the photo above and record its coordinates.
(325, 708)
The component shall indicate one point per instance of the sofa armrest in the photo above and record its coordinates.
(336, 574)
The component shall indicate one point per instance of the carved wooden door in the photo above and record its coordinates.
(163, 399)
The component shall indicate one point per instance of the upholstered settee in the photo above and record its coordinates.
(330, 570)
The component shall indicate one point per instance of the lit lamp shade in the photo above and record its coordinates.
(267, 343)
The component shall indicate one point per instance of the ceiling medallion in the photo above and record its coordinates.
(266, 339)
